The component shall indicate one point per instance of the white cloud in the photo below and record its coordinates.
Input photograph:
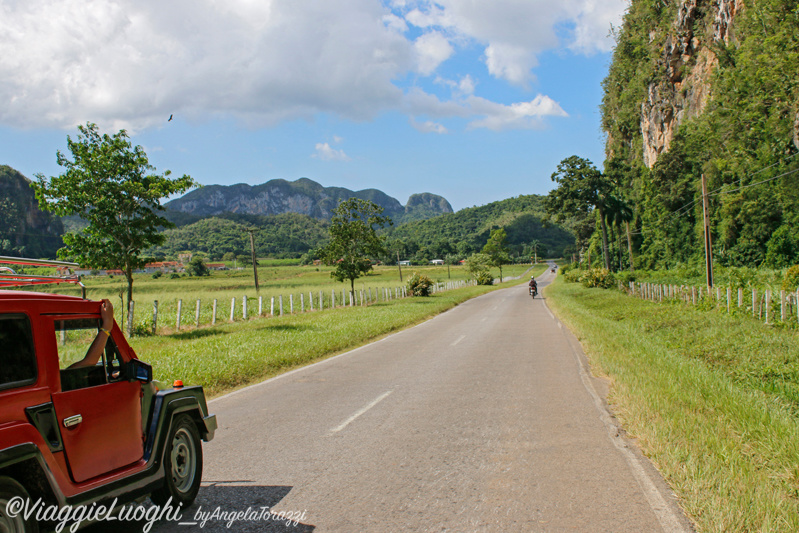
(428, 126)
(432, 49)
(132, 63)
(326, 153)
(514, 32)
(522, 115)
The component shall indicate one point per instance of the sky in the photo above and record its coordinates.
(474, 100)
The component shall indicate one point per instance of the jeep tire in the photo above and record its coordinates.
(12, 490)
(183, 464)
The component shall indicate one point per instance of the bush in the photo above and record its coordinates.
(625, 277)
(573, 275)
(598, 277)
(791, 280)
(484, 277)
(419, 285)
(157, 274)
(174, 275)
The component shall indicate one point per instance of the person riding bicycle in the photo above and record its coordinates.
(533, 285)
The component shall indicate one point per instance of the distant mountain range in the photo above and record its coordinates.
(303, 196)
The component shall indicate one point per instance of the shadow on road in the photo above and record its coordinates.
(228, 506)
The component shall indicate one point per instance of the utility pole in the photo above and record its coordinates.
(708, 244)
(254, 262)
(399, 266)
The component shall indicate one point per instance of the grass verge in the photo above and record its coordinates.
(712, 400)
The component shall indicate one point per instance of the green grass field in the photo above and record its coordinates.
(713, 399)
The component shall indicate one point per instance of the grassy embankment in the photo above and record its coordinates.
(713, 399)
(234, 354)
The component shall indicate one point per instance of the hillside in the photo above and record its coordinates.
(26, 231)
(468, 230)
(303, 196)
(699, 87)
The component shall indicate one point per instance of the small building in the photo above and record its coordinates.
(216, 266)
(184, 258)
(405, 263)
(437, 262)
(163, 266)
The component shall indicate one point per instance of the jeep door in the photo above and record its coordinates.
(99, 412)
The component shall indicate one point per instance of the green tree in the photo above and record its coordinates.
(581, 189)
(110, 184)
(497, 250)
(477, 267)
(354, 239)
(197, 267)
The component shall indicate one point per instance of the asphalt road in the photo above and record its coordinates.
(484, 418)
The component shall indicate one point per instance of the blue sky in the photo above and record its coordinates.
(475, 100)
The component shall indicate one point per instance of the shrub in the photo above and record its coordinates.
(174, 275)
(484, 277)
(573, 275)
(791, 280)
(157, 274)
(625, 277)
(598, 277)
(419, 285)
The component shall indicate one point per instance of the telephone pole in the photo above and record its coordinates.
(399, 266)
(254, 262)
(708, 243)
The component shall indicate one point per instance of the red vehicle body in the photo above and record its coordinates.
(77, 436)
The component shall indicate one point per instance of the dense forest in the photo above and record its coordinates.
(706, 87)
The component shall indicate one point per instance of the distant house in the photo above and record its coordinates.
(405, 263)
(216, 266)
(184, 258)
(163, 266)
(437, 262)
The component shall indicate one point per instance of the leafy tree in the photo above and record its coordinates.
(497, 250)
(581, 189)
(354, 239)
(110, 184)
(477, 267)
(197, 267)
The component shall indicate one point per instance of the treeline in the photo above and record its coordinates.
(467, 231)
(745, 141)
(452, 236)
(288, 235)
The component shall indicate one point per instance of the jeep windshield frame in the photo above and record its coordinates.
(10, 278)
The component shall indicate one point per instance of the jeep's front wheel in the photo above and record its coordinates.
(12, 519)
(183, 464)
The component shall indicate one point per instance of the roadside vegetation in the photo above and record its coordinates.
(712, 398)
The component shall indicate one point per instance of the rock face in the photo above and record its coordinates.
(302, 196)
(688, 64)
(26, 230)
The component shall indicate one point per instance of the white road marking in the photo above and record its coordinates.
(458, 340)
(360, 412)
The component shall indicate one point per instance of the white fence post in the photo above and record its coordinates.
(291, 304)
(281, 305)
(232, 308)
(197, 314)
(272, 307)
(213, 313)
(244, 307)
(260, 306)
(302, 302)
(177, 320)
(155, 315)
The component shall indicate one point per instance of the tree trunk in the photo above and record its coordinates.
(604, 238)
(629, 246)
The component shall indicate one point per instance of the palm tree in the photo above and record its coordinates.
(618, 211)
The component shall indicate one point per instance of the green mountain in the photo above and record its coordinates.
(699, 87)
(303, 196)
(26, 231)
(467, 231)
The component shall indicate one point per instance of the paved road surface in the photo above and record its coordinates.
(482, 419)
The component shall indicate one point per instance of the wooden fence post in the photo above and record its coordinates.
(197, 314)
(291, 304)
(754, 302)
(155, 315)
(740, 296)
(321, 301)
(213, 313)
(177, 320)
(729, 297)
(310, 299)
(782, 306)
(232, 308)
(302, 302)
(244, 307)
(768, 304)
(260, 306)
(272, 307)
(281, 305)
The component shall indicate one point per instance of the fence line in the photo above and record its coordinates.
(763, 306)
(361, 297)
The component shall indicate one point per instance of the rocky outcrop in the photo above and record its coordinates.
(688, 63)
(26, 231)
(302, 196)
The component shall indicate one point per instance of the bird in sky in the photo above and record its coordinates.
(170, 118)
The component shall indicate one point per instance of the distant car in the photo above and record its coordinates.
(80, 436)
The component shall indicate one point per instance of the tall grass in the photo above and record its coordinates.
(712, 399)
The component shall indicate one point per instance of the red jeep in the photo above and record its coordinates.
(92, 434)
